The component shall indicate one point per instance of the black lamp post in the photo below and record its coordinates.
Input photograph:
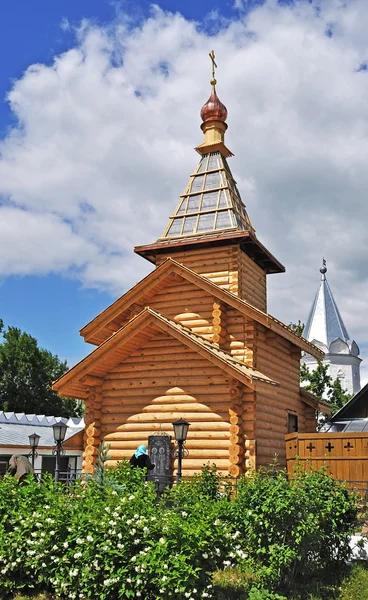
(34, 438)
(59, 436)
(180, 431)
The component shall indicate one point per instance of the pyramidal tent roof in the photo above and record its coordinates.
(325, 323)
(211, 202)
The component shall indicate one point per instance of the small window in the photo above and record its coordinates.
(292, 423)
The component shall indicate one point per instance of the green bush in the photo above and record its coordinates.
(110, 537)
(355, 587)
(95, 542)
(293, 530)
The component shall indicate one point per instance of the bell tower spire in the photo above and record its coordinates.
(210, 230)
(326, 329)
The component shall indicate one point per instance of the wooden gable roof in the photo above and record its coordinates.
(117, 314)
(92, 369)
(315, 402)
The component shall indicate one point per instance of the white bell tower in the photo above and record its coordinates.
(325, 328)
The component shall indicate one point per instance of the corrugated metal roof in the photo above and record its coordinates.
(15, 428)
(39, 420)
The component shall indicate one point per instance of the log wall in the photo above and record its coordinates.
(279, 359)
(189, 305)
(92, 432)
(161, 382)
(229, 267)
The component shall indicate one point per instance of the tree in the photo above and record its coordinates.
(297, 328)
(337, 396)
(26, 375)
(323, 386)
(318, 381)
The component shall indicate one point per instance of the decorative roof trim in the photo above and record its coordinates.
(39, 420)
(66, 384)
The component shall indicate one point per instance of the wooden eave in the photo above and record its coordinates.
(315, 402)
(75, 383)
(341, 412)
(98, 329)
(247, 241)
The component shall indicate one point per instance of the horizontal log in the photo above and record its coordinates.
(162, 382)
(159, 395)
(274, 444)
(210, 437)
(235, 470)
(273, 431)
(122, 400)
(195, 426)
(125, 409)
(206, 369)
(164, 417)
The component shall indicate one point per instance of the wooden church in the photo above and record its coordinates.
(193, 339)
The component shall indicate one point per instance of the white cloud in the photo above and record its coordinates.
(102, 149)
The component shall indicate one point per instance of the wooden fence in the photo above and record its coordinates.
(344, 455)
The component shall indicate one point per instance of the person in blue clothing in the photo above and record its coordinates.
(141, 459)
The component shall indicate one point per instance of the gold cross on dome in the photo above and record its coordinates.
(214, 65)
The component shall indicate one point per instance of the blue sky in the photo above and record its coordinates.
(53, 308)
(78, 130)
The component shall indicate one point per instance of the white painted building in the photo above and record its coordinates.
(325, 328)
(15, 429)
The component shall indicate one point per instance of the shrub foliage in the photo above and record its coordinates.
(111, 537)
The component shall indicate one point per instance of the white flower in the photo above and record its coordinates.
(131, 497)
(217, 522)
(162, 541)
(184, 514)
(129, 580)
(89, 538)
(166, 566)
(187, 594)
(77, 554)
(227, 563)
(65, 544)
(79, 541)
(164, 578)
(205, 555)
